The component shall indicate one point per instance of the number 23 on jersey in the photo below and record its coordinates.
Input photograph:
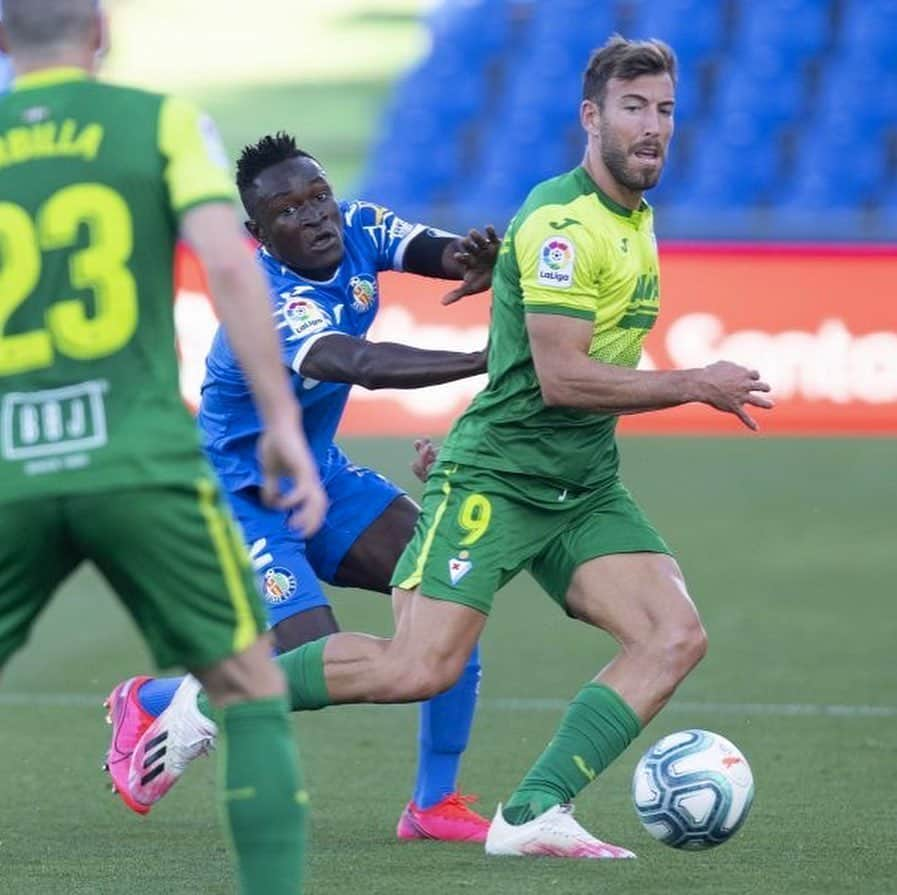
(100, 267)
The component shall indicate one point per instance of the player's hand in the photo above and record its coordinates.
(729, 387)
(477, 254)
(427, 453)
(282, 451)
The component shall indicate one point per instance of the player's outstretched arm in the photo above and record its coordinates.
(372, 365)
(568, 377)
(240, 294)
(469, 259)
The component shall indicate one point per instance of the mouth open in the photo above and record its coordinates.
(323, 240)
(648, 153)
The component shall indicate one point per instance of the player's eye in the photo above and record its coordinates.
(287, 210)
(323, 196)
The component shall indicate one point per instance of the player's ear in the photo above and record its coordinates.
(589, 117)
(99, 38)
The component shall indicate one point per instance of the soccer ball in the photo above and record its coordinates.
(692, 789)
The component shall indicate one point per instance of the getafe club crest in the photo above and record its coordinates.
(279, 584)
(363, 289)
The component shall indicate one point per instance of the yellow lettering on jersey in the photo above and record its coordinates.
(47, 139)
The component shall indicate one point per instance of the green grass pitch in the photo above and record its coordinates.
(789, 550)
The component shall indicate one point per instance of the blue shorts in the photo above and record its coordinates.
(289, 566)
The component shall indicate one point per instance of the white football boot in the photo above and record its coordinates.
(553, 834)
(180, 734)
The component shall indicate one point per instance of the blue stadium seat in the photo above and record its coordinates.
(764, 86)
(569, 29)
(843, 172)
(496, 102)
(694, 28)
(857, 93)
(869, 28)
(796, 28)
(475, 25)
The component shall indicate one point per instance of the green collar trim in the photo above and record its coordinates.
(606, 201)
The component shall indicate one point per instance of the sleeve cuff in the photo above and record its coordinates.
(398, 259)
(301, 354)
(562, 310)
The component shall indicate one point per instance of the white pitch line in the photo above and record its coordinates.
(745, 709)
(781, 709)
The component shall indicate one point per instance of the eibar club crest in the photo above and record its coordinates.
(459, 566)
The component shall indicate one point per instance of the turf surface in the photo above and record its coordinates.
(788, 547)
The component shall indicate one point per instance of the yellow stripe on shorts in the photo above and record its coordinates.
(417, 575)
(216, 522)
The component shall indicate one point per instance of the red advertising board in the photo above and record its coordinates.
(820, 323)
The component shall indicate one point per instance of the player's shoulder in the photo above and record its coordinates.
(360, 213)
(136, 99)
(559, 206)
(561, 191)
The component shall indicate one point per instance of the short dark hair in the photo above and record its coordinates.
(258, 157)
(627, 60)
(36, 25)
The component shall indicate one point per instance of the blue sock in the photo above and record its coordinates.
(157, 693)
(445, 723)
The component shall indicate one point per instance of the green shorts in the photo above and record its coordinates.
(172, 553)
(478, 528)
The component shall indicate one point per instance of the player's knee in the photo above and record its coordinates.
(685, 644)
(428, 679)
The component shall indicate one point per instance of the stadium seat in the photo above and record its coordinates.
(763, 86)
(869, 28)
(789, 104)
(842, 172)
(694, 28)
(795, 28)
(857, 93)
(474, 25)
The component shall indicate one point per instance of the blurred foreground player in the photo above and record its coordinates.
(99, 459)
(322, 259)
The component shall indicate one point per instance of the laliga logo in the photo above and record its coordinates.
(363, 292)
(556, 254)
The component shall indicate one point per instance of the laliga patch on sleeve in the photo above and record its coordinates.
(556, 259)
(304, 317)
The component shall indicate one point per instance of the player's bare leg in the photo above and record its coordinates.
(641, 600)
(425, 656)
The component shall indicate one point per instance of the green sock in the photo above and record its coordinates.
(596, 728)
(262, 797)
(303, 668)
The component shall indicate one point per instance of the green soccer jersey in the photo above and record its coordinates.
(93, 181)
(570, 250)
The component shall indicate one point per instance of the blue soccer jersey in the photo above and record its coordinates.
(304, 310)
